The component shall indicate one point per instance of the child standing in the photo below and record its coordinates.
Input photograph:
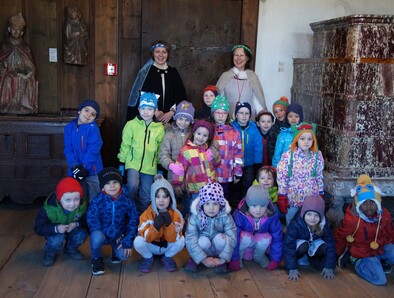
(294, 116)
(366, 235)
(264, 121)
(160, 228)
(209, 94)
(198, 160)
(112, 219)
(82, 145)
(62, 219)
(211, 234)
(279, 109)
(258, 231)
(141, 139)
(309, 235)
(251, 144)
(230, 145)
(300, 170)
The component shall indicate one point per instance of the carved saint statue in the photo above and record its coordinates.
(76, 38)
(18, 86)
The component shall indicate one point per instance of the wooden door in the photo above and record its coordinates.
(201, 35)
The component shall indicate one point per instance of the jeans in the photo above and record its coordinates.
(142, 182)
(371, 269)
(91, 186)
(74, 239)
(98, 239)
(147, 250)
(247, 179)
(291, 211)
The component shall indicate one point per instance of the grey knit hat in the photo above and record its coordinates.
(257, 195)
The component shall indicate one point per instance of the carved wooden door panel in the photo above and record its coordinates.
(201, 35)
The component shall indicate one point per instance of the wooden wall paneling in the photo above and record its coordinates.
(250, 14)
(43, 30)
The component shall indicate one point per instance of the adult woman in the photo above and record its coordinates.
(241, 84)
(158, 77)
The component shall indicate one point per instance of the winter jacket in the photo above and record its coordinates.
(82, 145)
(53, 214)
(230, 150)
(298, 230)
(204, 113)
(252, 144)
(140, 145)
(221, 223)
(269, 141)
(271, 225)
(283, 142)
(116, 218)
(366, 232)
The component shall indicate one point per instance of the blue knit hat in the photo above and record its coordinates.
(295, 108)
(90, 103)
(148, 100)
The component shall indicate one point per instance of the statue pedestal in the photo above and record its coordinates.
(347, 89)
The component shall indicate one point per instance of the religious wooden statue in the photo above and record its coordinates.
(18, 86)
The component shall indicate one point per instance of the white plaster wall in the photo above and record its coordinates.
(284, 33)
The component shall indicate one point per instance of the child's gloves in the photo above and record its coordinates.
(158, 222)
(209, 155)
(327, 273)
(79, 172)
(234, 265)
(294, 275)
(177, 169)
(166, 218)
(273, 265)
(121, 170)
(283, 203)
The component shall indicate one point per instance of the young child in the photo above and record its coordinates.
(82, 145)
(366, 235)
(141, 139)
(112, 219)
(309, 235)
(264, 121)
(62, 220)
(160, 228)
(279, 109)
(230, 145)
(198, 160)
(176, 135)
(258, 231)
(252, 146)
(266, 177)
(211, 234)
(294, 116)
(300, 170)
(209, 94)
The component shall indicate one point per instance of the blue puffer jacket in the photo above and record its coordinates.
(82, 145)
(298, 229)
(115, 218)
(283, 142)
(271, 226)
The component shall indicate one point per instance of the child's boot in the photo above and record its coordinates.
(191, 266)
(169, 263)
(48, 259)
(115, 259)
(146, 265)
(73, 253)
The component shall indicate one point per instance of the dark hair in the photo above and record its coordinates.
(247, 53)
(165, 190)
(210, 138)
(266, 170)
(166, 46)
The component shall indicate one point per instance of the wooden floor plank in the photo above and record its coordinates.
(9, 244)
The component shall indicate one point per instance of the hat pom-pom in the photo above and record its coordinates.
(374, 245)
(364, 179)
(350, 238)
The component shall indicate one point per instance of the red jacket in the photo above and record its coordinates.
(365, 234)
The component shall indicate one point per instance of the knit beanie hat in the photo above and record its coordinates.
(161, 182)
(211, 88)
(366, 190)
(264, 112)
(283, 102)
(184, 109)
(90, 103)
(108, 174)
(240, 105)
(212, 191)
(314, 203)
(148, 99)
(220, 102)
(295, 108)
(257, 195)
(68, 184)
(299, 129)
(204, 123)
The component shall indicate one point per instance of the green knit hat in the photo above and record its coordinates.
(220, 102)
(283, 102)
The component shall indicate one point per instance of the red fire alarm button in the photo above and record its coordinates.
(110, 69)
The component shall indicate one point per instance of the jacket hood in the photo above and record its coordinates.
(193, 207)
(161, 182)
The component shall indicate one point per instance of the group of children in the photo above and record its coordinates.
(211, 163)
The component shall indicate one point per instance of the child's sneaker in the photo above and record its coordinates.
(191, 266)
(97, 266)
(169, 264)
(74, 254)
(221, 268)
(115, 259)
(48, 259)
(146, 265)
(386, 266)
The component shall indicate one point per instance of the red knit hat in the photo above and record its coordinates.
(204, 123)
(68, 184)
(211, 88)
